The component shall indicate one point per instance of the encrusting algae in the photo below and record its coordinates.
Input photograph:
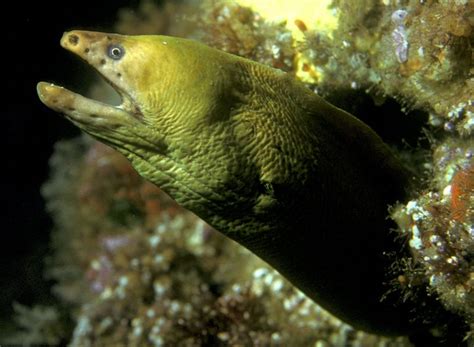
(377, 47)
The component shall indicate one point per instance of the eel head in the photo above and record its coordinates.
(175, 123)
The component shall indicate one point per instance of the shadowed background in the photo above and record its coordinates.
(31, 53)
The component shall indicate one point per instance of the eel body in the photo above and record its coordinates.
(299, 182)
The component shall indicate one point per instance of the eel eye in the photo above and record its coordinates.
(115, 52)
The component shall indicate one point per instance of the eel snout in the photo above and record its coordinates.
(92, 46)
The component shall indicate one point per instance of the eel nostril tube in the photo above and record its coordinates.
(73, 39)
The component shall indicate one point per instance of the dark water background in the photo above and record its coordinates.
(30, 52)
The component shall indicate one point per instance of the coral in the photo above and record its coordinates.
(411, 59)
(161, 276)
(240, 31)
(399, 36)
(171, 18)
(439, 224)
(38, 325)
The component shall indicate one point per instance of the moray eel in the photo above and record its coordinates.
(261, 158)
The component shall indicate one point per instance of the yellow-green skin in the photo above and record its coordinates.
(261, 158)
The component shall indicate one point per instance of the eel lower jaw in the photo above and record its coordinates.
(86, 112)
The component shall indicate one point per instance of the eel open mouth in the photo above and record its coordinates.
(77, 107)
(84, 112)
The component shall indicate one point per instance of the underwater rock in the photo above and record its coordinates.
(439, 225)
